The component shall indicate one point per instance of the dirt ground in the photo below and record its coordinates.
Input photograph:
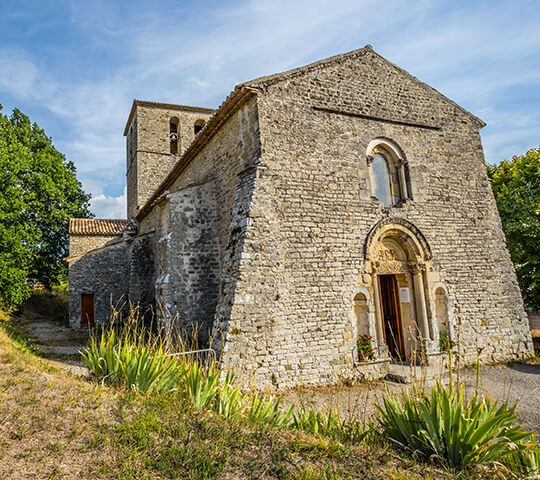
(43, 322)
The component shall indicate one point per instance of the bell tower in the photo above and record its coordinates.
(157, 134)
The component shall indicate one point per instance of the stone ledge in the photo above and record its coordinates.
(377, 361)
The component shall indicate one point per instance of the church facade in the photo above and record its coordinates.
(339, 199)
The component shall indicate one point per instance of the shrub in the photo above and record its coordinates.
(444, 425)
(126, 355)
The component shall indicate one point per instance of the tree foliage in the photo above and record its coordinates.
(39, 192)
(516, 185)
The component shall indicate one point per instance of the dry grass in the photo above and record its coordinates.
(54, 425)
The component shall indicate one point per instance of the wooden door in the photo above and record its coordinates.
(87, 309)
(393, 331)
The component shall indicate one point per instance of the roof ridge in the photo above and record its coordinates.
(277, 77)
(265, 81)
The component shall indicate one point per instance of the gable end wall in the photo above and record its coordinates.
(312, 210)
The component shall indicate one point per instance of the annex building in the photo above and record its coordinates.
(338, 199)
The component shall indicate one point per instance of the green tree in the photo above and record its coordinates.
(39, 192)
(516, 186)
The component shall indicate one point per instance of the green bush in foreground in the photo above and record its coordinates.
(444, 425)
(125, 356)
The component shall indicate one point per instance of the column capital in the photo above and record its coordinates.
(416, 268)
(369, 159)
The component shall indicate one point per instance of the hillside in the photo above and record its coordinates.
(54, 425)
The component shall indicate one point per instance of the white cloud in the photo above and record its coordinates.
(104, 206)
(23, 78)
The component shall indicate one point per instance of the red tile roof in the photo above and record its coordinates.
(98, 226)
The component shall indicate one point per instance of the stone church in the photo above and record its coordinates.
(339, 199)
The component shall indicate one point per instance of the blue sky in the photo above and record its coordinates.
(75, 67)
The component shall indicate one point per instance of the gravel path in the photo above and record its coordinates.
(518, 382)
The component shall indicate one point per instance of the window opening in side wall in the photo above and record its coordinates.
(390, 177)
(381, 180)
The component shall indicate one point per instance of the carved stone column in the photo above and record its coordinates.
(402, 180)
(420, 298)
(383, 349)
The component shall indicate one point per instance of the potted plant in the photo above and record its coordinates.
(445, 342)
(364, 347)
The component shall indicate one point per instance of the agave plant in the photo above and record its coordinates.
(102, 357)
(445, 425)
(265, 410)
(202, 387)
(118, 360)
(315, 421)
(229, 401)
(143, 369)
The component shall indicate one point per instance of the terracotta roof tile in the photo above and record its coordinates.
(98, 226)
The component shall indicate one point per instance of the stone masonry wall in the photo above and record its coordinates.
(148, 150)
(104, 273)
(117, 274)
(312, 209)
(229, 159)
(79, 244)
(188, 282)
(141, 262)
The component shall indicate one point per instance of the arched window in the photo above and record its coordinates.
(389, 173)
(173, 135)
(199, 124)
(381, 180)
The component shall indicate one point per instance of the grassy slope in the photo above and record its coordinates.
(54, 425)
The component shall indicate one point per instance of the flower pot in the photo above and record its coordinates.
(362, 357)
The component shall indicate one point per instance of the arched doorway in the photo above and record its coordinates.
(397, 256)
